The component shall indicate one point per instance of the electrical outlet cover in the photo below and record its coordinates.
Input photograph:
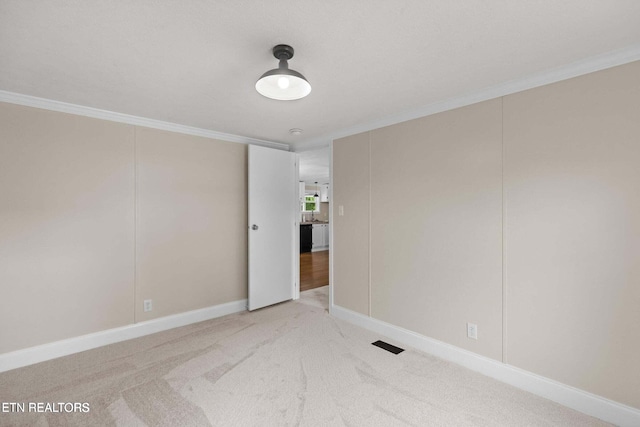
(472, 331)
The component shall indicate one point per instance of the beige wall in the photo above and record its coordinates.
(74, 194)
(66, 226)
(324, 211)
(572, 196)
(436, 222)
(192, 219)
(565, 271)
(350, 188)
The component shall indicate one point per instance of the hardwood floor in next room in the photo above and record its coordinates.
(314, 270)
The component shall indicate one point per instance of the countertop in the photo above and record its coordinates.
(314, 222)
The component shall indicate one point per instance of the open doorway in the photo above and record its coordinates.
(314, 270)
(314, 218)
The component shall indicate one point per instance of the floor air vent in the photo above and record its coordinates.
(386, 346)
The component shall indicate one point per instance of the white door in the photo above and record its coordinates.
(273, 201)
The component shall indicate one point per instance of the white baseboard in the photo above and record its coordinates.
(40, 353)
(563, 394)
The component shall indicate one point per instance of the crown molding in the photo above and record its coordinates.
(574, 69)
(80, 110)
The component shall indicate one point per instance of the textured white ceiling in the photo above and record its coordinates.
(314, 166)
(195, 62)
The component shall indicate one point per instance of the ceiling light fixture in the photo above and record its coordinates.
(295, 131)
(282, 83)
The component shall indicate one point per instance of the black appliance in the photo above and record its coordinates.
(305, 238)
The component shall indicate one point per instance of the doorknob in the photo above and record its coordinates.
(254, 227)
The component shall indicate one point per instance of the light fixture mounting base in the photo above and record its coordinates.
(283, 51)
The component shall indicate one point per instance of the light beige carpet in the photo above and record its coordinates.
(290, 364)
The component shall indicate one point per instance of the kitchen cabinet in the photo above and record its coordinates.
(324, 193)
(320, 237)
(317, 237)
(326, 236)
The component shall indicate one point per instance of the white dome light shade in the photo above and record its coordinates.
(284, 87)
(282, 83)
